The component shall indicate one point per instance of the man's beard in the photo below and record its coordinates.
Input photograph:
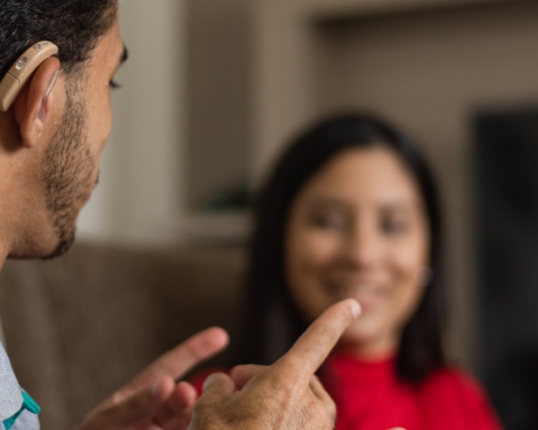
(66, 171)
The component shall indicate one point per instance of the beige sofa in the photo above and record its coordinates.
(80, 326)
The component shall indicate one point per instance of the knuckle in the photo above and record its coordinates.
(203, 402)
(332, 410)
(202, 406)
(286, 379)
(327, 416)
(203, 415)
(324, 411)
(317, 413)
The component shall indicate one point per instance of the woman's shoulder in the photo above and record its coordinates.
(454, 379)
(456, 391)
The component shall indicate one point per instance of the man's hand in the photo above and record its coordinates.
(153, 400)
(285, 395)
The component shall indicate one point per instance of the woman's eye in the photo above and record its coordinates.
(114, 85)
(392, 226)
(329, 221)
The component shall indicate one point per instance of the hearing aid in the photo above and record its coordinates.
(17, 76)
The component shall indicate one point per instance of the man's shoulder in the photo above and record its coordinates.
(17, 410)
(11, 399)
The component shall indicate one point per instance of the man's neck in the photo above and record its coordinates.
(5, 223)
(6, 207)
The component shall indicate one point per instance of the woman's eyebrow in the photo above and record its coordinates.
(396, 206)
(327, 202)
(401, 207)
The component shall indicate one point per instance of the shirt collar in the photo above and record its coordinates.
(11, 399)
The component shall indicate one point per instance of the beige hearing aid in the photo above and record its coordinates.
(16, 77)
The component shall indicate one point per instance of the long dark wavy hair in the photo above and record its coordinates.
(273, 321)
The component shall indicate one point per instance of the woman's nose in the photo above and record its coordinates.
(364, 245)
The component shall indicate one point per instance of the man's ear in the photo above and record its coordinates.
(33, 104)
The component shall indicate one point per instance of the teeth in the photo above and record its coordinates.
(357, 288)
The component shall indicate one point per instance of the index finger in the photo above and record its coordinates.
(182, 358)
(313, 347)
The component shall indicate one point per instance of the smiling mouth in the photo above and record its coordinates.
(360, 291)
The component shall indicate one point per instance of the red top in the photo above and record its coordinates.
(369, 396)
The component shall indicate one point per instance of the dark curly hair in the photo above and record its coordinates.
(273, 322)
(73, 25)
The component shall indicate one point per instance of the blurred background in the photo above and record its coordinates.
(214, 89)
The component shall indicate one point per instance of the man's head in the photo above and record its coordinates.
(50, 146)
(73, 25)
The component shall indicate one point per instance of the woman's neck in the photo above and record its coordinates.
(367, 351)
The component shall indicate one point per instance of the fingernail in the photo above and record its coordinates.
(209, 380)
(156, 387)
(356, 309)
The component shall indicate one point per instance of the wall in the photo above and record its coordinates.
(140, 195)
(217, 97)
(182, 124)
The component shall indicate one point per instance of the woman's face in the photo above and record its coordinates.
(358, 229)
